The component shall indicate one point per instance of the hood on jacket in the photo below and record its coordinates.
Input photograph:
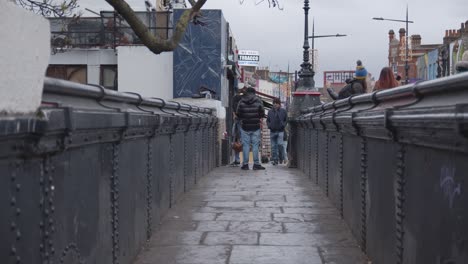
(249, 99)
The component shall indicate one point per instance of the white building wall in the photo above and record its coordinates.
(93, 58)
(24, 53)
(144, 72)
(266, 87)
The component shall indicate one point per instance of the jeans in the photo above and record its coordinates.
(250, 137)
(235, 134)
(277, 145)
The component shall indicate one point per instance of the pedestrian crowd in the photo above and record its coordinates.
(248, 112)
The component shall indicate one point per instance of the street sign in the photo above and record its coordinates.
(248, 58)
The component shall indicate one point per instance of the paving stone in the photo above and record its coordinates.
(263, 227)
(178, 225)
(288, 204)
(235, 216)
(239, 209)
(212, 226)
(236, 193)
(271, 198)
(288, 218)
(343, 255)
(224, 198)
(188, 215)
(174, 238)
(274, 255)
(309, 227)
(339, 239)
(231, 238)
(185, 255)
(241, 204)
(310, 210)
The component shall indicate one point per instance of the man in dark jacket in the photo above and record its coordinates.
(249, 111)
(276, 121)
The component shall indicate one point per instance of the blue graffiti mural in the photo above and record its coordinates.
(198, 60)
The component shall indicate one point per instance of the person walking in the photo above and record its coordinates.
(386, 80)
(357, 85)
(250, 111)
(276, 122)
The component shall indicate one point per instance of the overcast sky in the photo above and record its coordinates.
(278, 35)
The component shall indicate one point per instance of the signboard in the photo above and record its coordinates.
(337, 77)
(248, 58)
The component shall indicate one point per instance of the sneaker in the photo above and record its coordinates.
(235, 163)
(245, 167)
(274, 163)
(258, 167)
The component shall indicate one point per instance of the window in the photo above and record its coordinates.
(109, 76)
(74, 73)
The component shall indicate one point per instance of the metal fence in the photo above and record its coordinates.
(395, 165)
(107, 31)
(88, 177)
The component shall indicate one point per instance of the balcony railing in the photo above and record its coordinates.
(107, 31)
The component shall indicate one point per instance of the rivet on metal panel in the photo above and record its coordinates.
(326, 163)
(171, 171)
(363, 193)
(114, 201)
(185, 160)
(400, 215)
(316, 156)
(149, 189)
(341, 175)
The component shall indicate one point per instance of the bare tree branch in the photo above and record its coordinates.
(156, 44)
(50, 7)
(192, 2)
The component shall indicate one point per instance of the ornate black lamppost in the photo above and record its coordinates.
(306, 95)
(406, 41)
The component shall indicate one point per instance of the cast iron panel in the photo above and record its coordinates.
(20, 213)
(163, 171)
(435, 209)
(178, 164)
(334, 175)
(82, 204)
(382, 168)
(352, 184)
(323, 161)
(132, 197)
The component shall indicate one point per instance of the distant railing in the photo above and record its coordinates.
(107, 31)
(395, 165)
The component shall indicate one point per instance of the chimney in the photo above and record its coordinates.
(402, 32)
(416, 40)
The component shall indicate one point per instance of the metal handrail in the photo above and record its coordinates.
(67, 88)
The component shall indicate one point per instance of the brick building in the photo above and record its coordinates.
(397, 53)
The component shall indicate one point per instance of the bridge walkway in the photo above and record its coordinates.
(276, 216)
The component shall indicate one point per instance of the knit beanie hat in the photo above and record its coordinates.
(361, 72)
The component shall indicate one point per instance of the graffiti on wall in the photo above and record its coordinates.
(449, 187)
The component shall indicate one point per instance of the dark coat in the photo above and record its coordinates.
(249, 111)
(277, 119)
(353, 88)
